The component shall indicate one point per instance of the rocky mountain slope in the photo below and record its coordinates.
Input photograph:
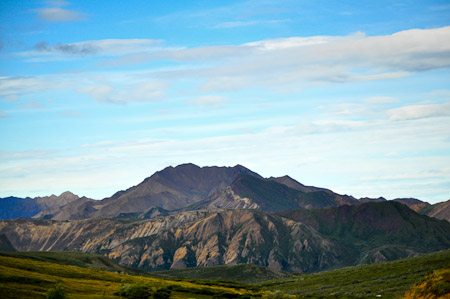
(188, 239)
(311, 240)
(440, 210)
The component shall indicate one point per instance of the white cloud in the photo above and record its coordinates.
(283, 65)
(208, 101)
(12, 87)
(32, 105)
(58, 14)
(419, 111)
(298, 61)
(139, 92)
(380, 100)
(237, 24)
(108, 47)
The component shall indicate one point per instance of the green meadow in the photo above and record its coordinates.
(31, 275)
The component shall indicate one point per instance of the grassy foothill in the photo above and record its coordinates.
(28, 276)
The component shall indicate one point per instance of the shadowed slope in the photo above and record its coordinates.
(251, 192)
(380, 230)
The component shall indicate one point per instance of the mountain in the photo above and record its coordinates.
(380, 231)
(198, 238)
(338, 199)
(440, 210)
(291, 183)
(251, 192)
(412, 203)
(368, 199)
(169, 189)
(15, 207)
(173, 188)
(299, 241)
(81, 208)
(53, 201)
(5, 245)
(190, 187)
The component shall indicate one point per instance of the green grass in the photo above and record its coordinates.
(26, 278)
(390, 279)
(91, 261)
(23, 276)
(435, 285)
(243, 273)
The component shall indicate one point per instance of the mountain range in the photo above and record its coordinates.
(190, 216)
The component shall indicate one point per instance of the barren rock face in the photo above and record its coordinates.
(199, 238)
(440, 211)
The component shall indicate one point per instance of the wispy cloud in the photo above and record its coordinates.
(236, 24)
(108, 47)
(419, 111)
(283, 65)
(208, 101)
(3, 114)
(11, 88)
(380, 100)
(32, 105)
(288, 62)
(55, 13)
(71, 114)
(69, 49)
(142, 92)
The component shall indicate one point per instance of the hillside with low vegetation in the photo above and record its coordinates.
(417, 277)
(25, 278)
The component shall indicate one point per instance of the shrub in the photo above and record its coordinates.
(56, 293)
(163, 293)
(135, 291)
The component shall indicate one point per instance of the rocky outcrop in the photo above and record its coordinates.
(225, 199)
(440, 210)
(198, 238)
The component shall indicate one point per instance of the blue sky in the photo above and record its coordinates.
(95, 96)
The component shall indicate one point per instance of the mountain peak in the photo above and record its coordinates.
(67, 193)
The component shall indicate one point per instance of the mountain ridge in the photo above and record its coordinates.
(188, 186)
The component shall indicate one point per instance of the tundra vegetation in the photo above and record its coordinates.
(24, 276)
